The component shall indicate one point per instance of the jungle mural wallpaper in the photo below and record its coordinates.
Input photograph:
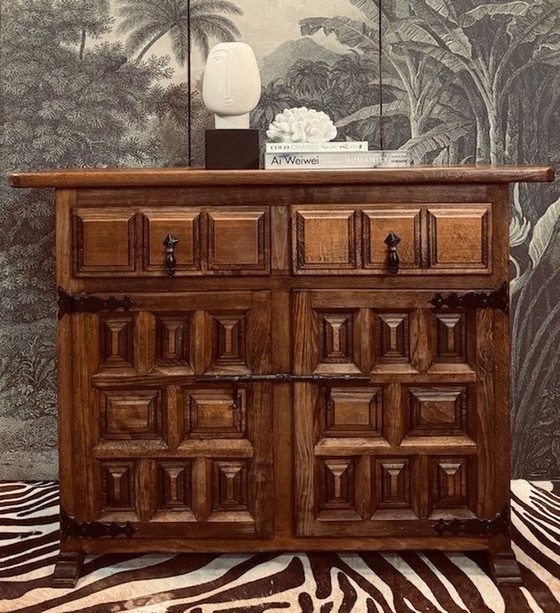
(118, 83)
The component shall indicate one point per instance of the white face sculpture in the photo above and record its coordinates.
(232, 85)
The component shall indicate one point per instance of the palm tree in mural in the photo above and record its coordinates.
(355, 75)
(308, 78)
(275, 97)
(149, 21)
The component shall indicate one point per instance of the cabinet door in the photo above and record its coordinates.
(157, 440)
(423, 440)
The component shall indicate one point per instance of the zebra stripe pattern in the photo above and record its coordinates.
(317, 582)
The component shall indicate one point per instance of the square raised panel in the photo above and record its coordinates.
(173, 340)
(337, 338)
(118, 486)
(450, 479)
(460, 237)
(174, 484)
(450, 337)
(336, 491)
(392, 337)
(230, 490)
(116, 335)
(134, 414)
(103, 241)
(378, 224)
(181, 223)
(228, 342)
(216, 413)
(435, 411)
(325, 239)
(353, 411)
(238, 240)
(392, 489)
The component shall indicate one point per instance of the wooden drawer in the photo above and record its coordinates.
(131, 241)
(433, 238)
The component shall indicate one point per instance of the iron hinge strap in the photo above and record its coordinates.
(86, 303)
(474, 526)
(498, 299)
(70, 527)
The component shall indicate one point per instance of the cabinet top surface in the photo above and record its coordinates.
(178, 177)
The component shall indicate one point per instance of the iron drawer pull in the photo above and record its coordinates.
(392, 241)
(170, 260)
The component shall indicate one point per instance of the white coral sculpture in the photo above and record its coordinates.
(301, 125)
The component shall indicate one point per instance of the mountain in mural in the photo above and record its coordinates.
(276, 64)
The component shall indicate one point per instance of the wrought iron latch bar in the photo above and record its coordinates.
(281, 377)
(498, 299)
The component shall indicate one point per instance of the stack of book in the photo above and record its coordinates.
(333, 154)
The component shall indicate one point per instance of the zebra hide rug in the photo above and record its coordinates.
(308, 583)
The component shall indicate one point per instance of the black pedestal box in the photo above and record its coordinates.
(232, 149)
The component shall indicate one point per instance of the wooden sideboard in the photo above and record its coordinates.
(266, 360)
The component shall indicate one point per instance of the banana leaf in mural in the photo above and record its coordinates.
(535, 349)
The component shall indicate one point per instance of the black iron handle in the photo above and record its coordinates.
(170, 260)
(392, 241)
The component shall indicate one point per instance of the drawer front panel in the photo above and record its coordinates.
(183, 224)
(430, 239)
(238, 240)
(325, 239)
(134, 242)
(104, 241)
(459, 237)
(378, 224)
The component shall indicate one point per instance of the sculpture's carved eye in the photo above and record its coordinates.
(219, 56)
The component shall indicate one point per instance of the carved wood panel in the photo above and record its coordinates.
(103, 241)
(173, 337)
(460, 237)
(449, 335)
(117, 341)
(174, 485)
(118, 490)
(336, 489)
(324, 238)
(378, 223)
(392, 484)
(353, 411)
(437, 410)
(403, 447)
(450, 478)
(168, 448)
(392, 337)
(183, 224)
(216, 413)
(238, 240)
(230, 491)
(131, 414)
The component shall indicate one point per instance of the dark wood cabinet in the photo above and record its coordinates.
(267, 360)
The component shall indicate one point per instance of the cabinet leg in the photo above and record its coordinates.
(67, 569)
(504, 568)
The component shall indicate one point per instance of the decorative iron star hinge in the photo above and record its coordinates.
(498, 299)
(70, 527)
(85, 303)
(474, 526)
